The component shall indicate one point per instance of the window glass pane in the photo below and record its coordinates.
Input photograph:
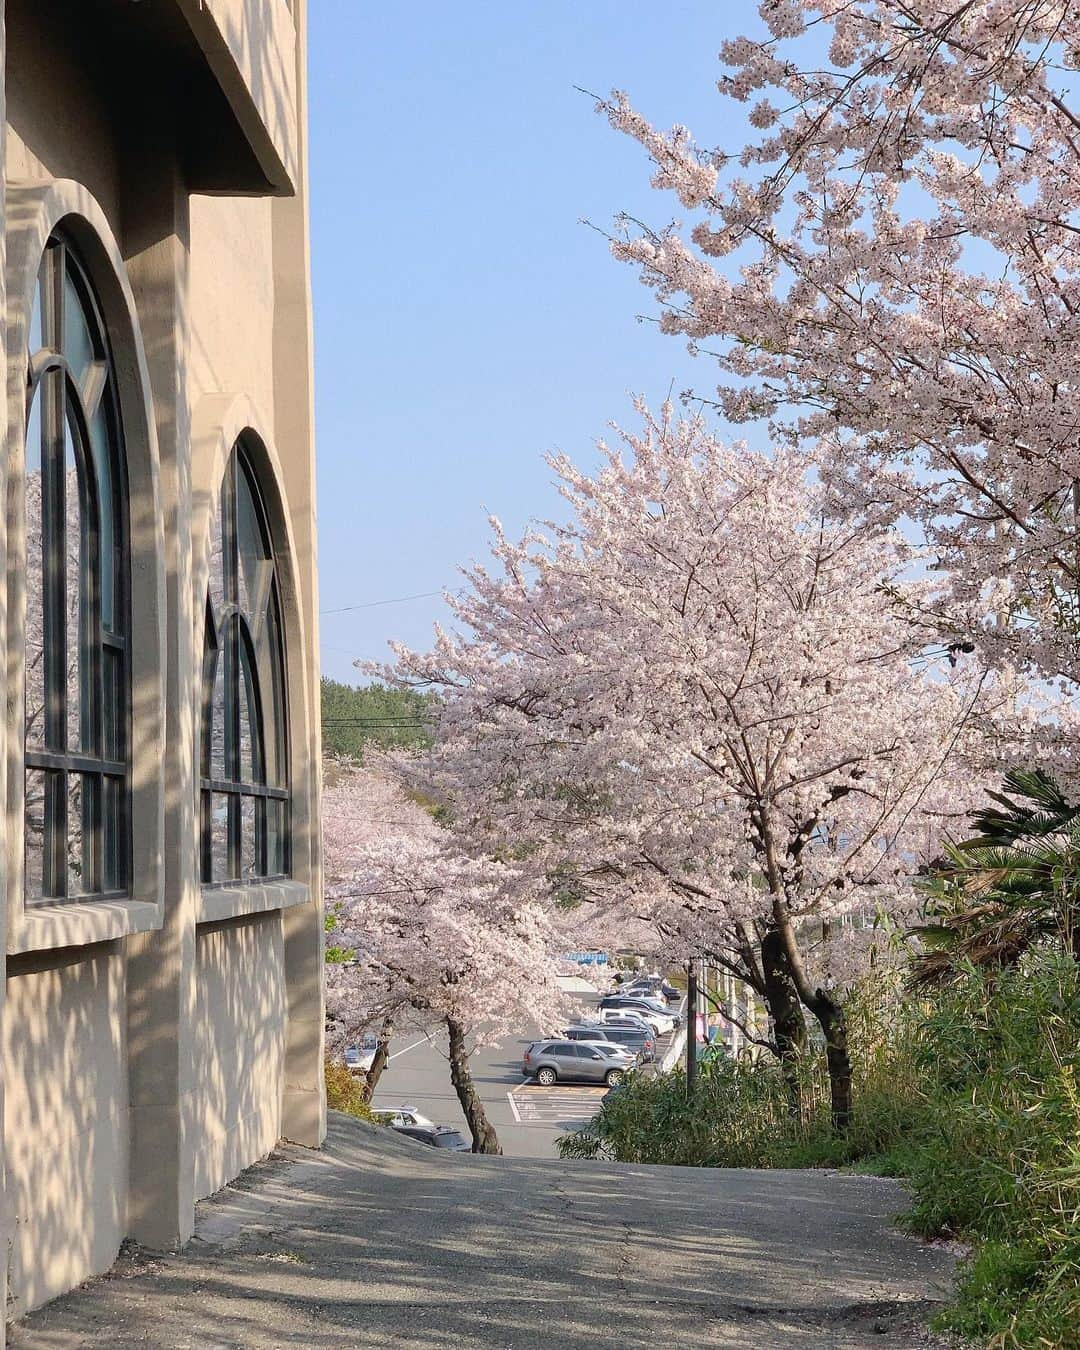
(250, 751)
(100, 442)
(248, 864)
(115, 711)
(217, 556)
(75, 619)
(219, 836)
(256, 565)
(35, 614)
(78, 345)
(275, 836)
(35, 834)
(217, 720)
(113, 862)
(273, 697)
(79, 879)
(55, 812)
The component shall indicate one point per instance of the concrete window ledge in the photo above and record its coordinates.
(80, 923)
(229, 902)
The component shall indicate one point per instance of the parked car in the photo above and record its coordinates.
(639, 1040)
(657, 1015)
(359, 1058)
(624, 1017)
(403, 1115)
(437, 1136)
(556, 1061)
(592, 1033)
(654, 986)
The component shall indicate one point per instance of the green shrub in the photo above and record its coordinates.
(974, 1097)
(742, 1117)
(345, 1092)
(998, 1161)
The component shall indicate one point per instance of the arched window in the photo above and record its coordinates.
(77, 842)
(244, 773)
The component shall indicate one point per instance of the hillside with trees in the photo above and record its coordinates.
(354, 717)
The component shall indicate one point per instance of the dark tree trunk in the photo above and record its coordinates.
(830, 1015)
(484, 1138)
(785, 1009)
(382, 1057)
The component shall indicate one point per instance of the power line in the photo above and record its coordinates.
(373, 604)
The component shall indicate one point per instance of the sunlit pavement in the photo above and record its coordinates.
(383, 1243)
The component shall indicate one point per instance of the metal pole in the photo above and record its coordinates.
(691, 1029)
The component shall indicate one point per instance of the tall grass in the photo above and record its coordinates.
(973, 1096)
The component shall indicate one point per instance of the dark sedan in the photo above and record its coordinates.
(437, 1136)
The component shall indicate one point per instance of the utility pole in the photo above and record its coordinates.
(691, 1029)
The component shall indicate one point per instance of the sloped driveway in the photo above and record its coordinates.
(381, 1242)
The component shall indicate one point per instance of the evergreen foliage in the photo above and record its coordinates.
(354, 717)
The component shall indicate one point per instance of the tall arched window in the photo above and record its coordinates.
(244, 773)
(77, 843)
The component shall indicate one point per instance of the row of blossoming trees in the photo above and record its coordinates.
(743, 697)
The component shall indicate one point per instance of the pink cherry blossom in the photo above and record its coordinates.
(708, 704)
(890, 268)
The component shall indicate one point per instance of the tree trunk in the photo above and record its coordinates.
(484, 1138)
(382, 1057)
(782, 1000)
(834, 1024)
(829, 1013)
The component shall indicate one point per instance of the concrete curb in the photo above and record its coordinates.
(674, 1050)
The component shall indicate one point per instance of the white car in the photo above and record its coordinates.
(661, 1022)
(404, 1116)
(359, 1058)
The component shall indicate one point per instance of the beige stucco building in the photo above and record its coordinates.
(160, 1010)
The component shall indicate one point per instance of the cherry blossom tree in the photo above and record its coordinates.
(890, 266)
(425, 926)
(701, 700)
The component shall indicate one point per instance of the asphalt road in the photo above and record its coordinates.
(381, 1242)
(527, 1118)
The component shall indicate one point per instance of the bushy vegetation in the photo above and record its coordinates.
(345, 1092)
(972, 1092)
(371, 714)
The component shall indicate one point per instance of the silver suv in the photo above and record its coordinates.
(575, 1062)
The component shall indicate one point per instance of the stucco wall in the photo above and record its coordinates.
(143, 1071)
(58, 121)
(239, 1046)
(231, 294)
(65, 1123)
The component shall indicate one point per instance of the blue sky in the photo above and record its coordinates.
(466, 322)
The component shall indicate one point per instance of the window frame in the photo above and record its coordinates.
(224, 636)
(64, 413)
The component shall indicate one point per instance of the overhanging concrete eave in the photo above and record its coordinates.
(271, 170)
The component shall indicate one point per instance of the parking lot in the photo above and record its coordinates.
(528, 1117)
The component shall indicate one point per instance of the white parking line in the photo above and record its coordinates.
(532, 1104)
(424, 1040)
